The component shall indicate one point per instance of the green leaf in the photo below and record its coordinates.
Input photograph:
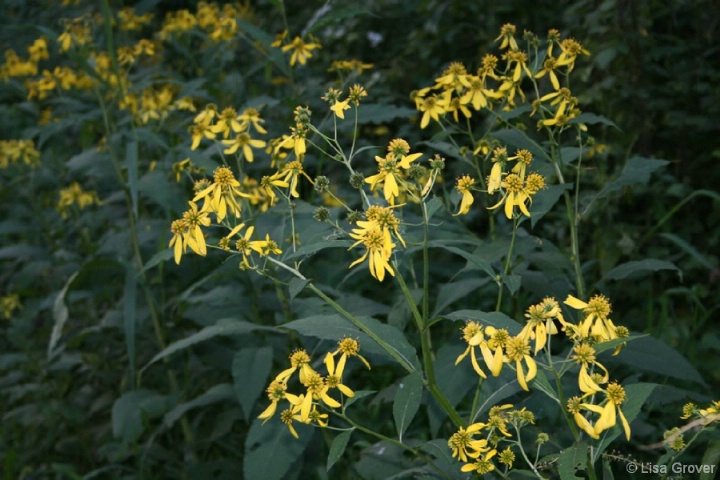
(592, 119)
(472, 258)
(21, 252)
(377, 113)
(60, 315)
(541, 383)
(652, 355)
(296, 286)
(601, 347)
(334, 327)
(270, 450)
(333, 14)
(640, 268)
(689, 249)
(224, 327)
(711, 457)
(571, 460)
(273, 54)
(250, 370)
(338, 448)
(635, 397)
(450, 292)
(545, 200)
(433, 205)
(512, 282)
(358, 395)
(218, 393)
(494, 390)
(131, 161)
(637, 170)
(519, 139)
(128, 411)
(496, 319)
(407, 401)
(129, 320)
(607, 470)
(451, 379)
(161, 256)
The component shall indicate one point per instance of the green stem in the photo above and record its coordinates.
(524, 455)
(427, 353)
(573, 221)
(508, 261)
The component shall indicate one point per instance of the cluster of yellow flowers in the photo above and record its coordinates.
(304, 407)
(497, 347)
(155, 103)
(516, 186)
(15, 66)
(75, 195)
(456, 90)
(477, 453)
(16, 151)
(221, 198)
(219, 23)
(353, 65)
(9, 303)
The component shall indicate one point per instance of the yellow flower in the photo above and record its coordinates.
(507, 35)
(243, 140)
(207, 116)
(386, 220)
(518, 350)
(464, 184)
(712, 413)
(198, 132)
(538, 327)
(75, 195)
(222, 194)
(9, 303)
(299, 360)
(316, 389)
(463, 445)
(596, 323)
(481, 465)
(397, 160)
(339, 107)
(250, 116)
(379, 246)
(474, 335)
(177, 228)
(334, 376)
(193, 236)
(455, 77)
(277, 391)
(615, 395)
(515, 195)
(548, 69)
(432, 107)
(301, 51)
(290, 175)
(228, 121)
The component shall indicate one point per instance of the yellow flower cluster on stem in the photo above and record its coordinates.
(305, 406)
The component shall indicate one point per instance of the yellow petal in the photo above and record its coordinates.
(575, 303)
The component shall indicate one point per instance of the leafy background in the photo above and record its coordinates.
(119, 368)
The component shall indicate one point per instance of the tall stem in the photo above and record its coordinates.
(573, 221)
(508, 262)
